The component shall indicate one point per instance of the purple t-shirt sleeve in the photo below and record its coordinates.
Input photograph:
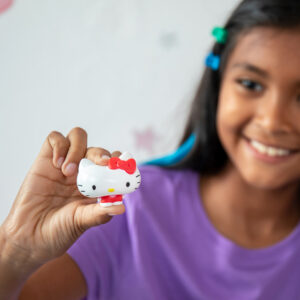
(95, 253)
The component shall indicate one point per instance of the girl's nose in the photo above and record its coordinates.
(272, 116)
(111, 190)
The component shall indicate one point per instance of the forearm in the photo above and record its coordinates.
(14, 270)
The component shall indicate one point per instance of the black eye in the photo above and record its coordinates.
(93, 187)
(250, 85)
(127, 184)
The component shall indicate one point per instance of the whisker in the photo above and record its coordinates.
(82, 191)
(79, 184)
(137, 175)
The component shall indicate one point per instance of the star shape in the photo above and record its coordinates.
(145, 139)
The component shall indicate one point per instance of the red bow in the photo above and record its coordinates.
(127, 165)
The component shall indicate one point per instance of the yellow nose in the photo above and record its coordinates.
(111, 190)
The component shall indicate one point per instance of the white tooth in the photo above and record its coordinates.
(269, 150)
(283, 152)
(255, 144)
(262, 149)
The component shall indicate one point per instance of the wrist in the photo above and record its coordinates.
(15, 269)
(14, 257)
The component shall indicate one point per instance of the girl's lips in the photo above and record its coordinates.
(268, 158)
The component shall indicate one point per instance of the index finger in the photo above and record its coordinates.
(78, 145)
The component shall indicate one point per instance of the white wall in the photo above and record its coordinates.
(118, 68)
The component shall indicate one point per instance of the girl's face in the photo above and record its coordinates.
(258, 116)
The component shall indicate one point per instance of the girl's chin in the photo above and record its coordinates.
(267, 178)
(264, 182)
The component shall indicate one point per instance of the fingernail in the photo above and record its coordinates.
(112, 214)
(70, 169)
(60, 162)
(105, 156)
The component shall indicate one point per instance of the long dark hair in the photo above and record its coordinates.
(208, 155)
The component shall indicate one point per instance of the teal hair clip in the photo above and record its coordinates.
(176, 156)
(220, 34)
(212, 61)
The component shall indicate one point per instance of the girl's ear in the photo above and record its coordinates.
(84, 163)
(125, 156)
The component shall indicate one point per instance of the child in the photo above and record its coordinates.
(221, 223)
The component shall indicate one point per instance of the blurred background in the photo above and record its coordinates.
(124, 70)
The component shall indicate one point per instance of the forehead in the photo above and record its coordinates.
(268, 47)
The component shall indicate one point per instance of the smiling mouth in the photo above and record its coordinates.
(269, 150)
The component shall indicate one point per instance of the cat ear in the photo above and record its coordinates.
(125, 156)
(84, 163)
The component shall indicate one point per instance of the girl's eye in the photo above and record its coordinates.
(250, 85)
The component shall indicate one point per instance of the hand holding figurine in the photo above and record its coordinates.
(49, 213)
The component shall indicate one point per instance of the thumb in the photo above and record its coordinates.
(94, 214)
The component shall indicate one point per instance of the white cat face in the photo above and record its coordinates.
(97, 181)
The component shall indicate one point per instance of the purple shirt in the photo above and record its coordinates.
(165, 247)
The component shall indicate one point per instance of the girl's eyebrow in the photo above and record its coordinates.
(256, 70)
(251, 68)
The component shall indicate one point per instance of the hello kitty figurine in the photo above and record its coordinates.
(108, 183)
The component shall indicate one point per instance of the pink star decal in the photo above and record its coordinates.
(5, 4)
(145, 139)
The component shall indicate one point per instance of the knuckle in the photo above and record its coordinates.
(78, 130)
(56, 139)
(54, 134)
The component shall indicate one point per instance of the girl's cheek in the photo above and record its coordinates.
(233, 118)
(232, 113)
